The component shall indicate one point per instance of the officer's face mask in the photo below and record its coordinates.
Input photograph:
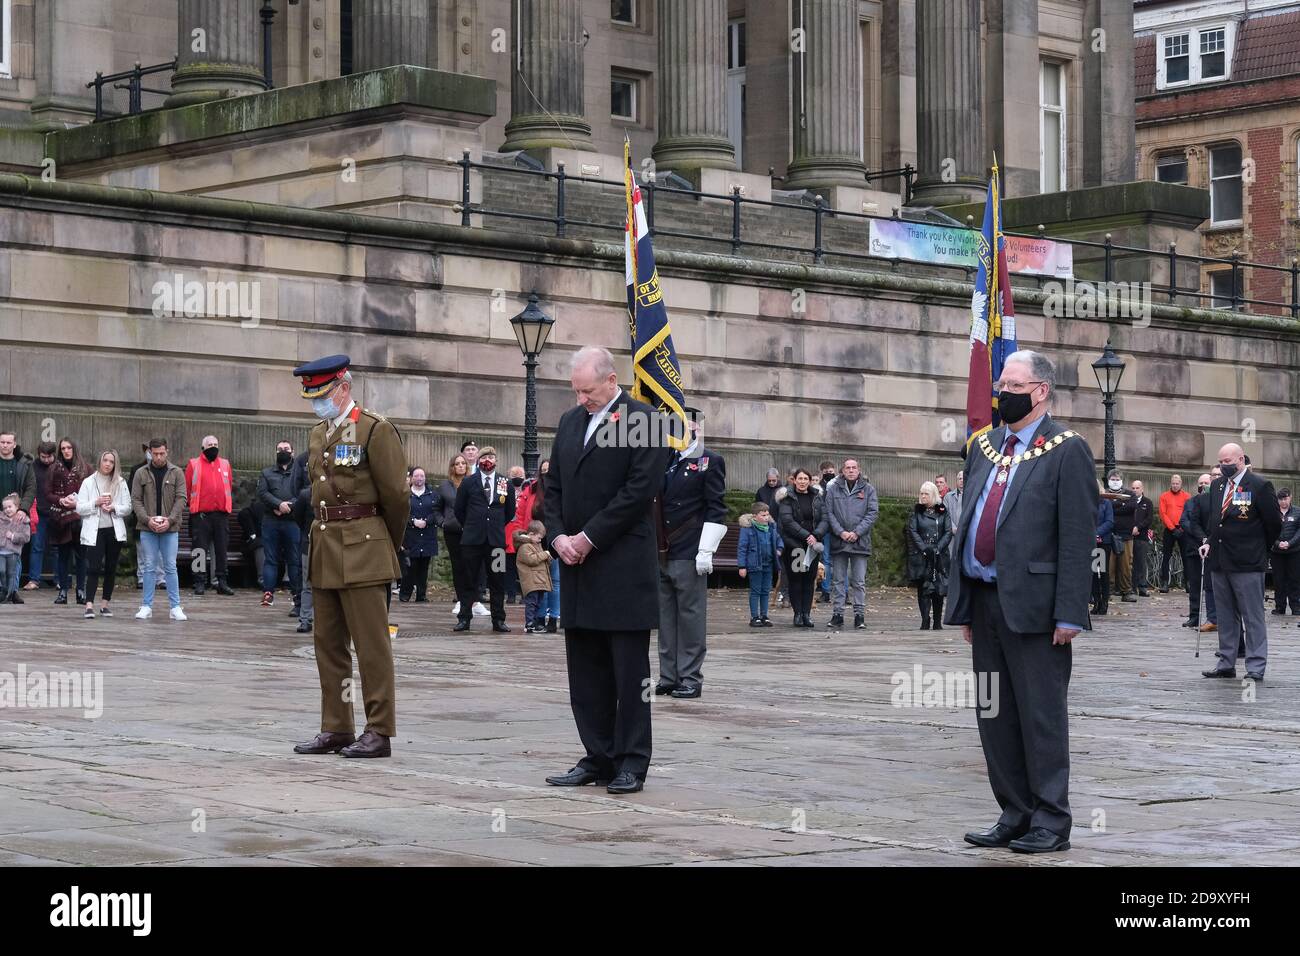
(324, 407)
(211, 453)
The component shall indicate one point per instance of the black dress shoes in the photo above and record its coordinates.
(461, 626)
(577, 777)
(1040, 840)
(661, 689)
(625, 782)
(325, 743)
(369, 744)
(688, 692)
(501, 627)
(998, 835)
(1220, 672)
(304, 627)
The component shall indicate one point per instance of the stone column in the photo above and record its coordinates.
(73, 41)
(692, 90)
(1013, 99)
(951, 158)
(546, 76)
(391, 32)
(218, 51)
(827, 102)
(1108, 105)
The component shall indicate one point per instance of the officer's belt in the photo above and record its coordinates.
(678, 533)
(346, 512)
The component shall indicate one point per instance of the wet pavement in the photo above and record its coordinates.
(798, 754)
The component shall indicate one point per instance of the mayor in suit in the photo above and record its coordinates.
(485, 504)
(1020, 591)
(1243, 521)
(599, 523)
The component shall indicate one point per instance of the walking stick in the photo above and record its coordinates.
(1200, 597)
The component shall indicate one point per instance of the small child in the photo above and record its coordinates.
(15, 532)
(534, 574)
(758, 555)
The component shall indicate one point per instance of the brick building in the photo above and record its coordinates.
(1218, 107)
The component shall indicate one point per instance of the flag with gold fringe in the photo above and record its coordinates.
(657, 374)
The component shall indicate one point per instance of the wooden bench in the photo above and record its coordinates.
(724, 559)
(234, 552)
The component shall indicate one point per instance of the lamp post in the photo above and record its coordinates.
(1109, 369)
(532, 327)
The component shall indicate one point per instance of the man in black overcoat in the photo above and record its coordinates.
(607, 464)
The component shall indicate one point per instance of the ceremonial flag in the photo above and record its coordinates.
(656, 374)
(993, 323)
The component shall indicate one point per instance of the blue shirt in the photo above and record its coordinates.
(969, 565)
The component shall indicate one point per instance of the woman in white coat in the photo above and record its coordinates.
(103, 502)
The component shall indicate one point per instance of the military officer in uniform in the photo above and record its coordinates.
(360, 504)
(693, 523)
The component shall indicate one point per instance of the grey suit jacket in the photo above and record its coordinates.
(1045, 535)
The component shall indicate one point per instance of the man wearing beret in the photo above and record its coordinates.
(360, 504)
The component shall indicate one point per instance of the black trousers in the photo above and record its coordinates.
(102, 559)
(1101, 582)
(479, 559)
(210, 531)
(1286, 582)
(1168, 544)
(457, 561)
(801, 584)
(1024, 726)
(415, 577)
(512, 576)
(609, 690)
(1141, 551)
(1192, 575)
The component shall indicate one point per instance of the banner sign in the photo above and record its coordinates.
(949, 246)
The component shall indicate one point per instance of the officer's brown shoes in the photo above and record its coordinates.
(326, 743)
(370, 744)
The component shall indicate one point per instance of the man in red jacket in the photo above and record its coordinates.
(1172, 503)
(208, 482)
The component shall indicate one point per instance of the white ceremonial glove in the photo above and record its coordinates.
(710, 537)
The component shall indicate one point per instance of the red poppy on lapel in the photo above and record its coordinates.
(613, 417)
(1039, 442)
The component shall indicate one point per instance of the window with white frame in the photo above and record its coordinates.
(736, 87)
(1051, 127)
(1221, 289)
(623, 11)
(6, 46)
(1172, 168)
(623, 96)
(1189, 55)
(1225, 184)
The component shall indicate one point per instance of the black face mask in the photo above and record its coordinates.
(210, 454)
(517, 482)
(283, 457)
(1228, 471)
(828, 477)
(1013, 406)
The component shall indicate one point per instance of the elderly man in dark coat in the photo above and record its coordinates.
(599, 523)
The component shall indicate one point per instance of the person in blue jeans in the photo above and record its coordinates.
(757, 555)
(158, 498)
(829, 474)
(281, 534)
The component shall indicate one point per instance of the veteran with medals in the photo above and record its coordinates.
(360, 504)
(1020, 589)
(1243, 522)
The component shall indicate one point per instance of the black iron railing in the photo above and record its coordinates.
(1108, 251)
(134, 85)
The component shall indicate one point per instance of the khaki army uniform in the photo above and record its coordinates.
(360, 505)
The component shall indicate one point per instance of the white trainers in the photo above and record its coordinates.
(178, 615)
(479, 610)
(455, 611)
(144, 614)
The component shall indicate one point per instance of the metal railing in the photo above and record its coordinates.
(1109, 252)
(133, 85)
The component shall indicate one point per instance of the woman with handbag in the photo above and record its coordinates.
(63, 484)
(929, 534)
(103, 502)
(802, 519)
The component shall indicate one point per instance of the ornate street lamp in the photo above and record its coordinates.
(532, 328)
(1109, 369)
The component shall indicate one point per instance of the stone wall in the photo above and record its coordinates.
(791, 363)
